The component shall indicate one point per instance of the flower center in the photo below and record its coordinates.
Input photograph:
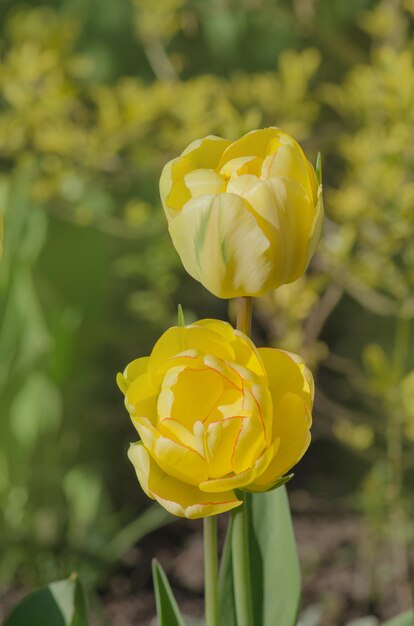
(198, 395)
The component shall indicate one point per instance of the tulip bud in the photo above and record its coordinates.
(245, 217)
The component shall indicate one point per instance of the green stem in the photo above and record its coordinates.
(397, 518)
(210, 571)
(241, 567)
(244, 314)
(240, 531)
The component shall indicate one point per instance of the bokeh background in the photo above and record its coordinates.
(95, 96)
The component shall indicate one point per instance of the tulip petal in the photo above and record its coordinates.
(257, 143)
(248, 445)
(173, 429)
(132, 371)
(271, 217)
(224, 329)
(290, 162)
(177, 497)
(261, 197)
(238, 481)
(203, 181)
(179, 461)
(222, 246)
(287, 373)
(200, 154)
(245, 352)
(247, 355)
(313, 181)
(292, 427)
(176, 341)
(194, 394)
(297, 224)
(141, 398)
(242, 165)
(219, 444)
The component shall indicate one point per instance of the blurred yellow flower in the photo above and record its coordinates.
(214, 414)
(245, 217)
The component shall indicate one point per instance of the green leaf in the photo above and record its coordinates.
(61, 603)
(274, 565)
(40, 398)
(273, 559)
(167, 610)
(404, 619)
(154, 517)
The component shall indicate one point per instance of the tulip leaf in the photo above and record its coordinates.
(274, 565)
(154, 517)
(404, 619)
(167, 609)
(273, 559)
(61, 603)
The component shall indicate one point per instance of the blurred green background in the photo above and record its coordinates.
(95, 96)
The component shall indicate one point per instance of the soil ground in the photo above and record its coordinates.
(346, 572)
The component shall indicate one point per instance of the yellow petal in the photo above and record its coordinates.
(241, 165)
(248, 445)
(313, 181)
(246, 354)
(173, 429)
(286, 214)
(146, 431)
(220, 439)
(178, 341)
(256, 143)
(227, 370)
(224, 329)
(179, 461)
(202, 182)
(192, 394)
(200, 154)
(260, 195)
(297, 224)
(287, 373)
(212, 235)
(132, 371)
(173, 194)
(141, 398)
(177, 497)
(290, 162)
(238, 481)
(291, 425)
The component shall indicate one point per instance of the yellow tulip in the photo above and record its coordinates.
(214, 414)
(245, 217)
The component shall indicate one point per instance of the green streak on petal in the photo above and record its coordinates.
(201, 234)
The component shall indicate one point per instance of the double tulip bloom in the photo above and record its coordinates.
(244, 216)
(215, 414)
